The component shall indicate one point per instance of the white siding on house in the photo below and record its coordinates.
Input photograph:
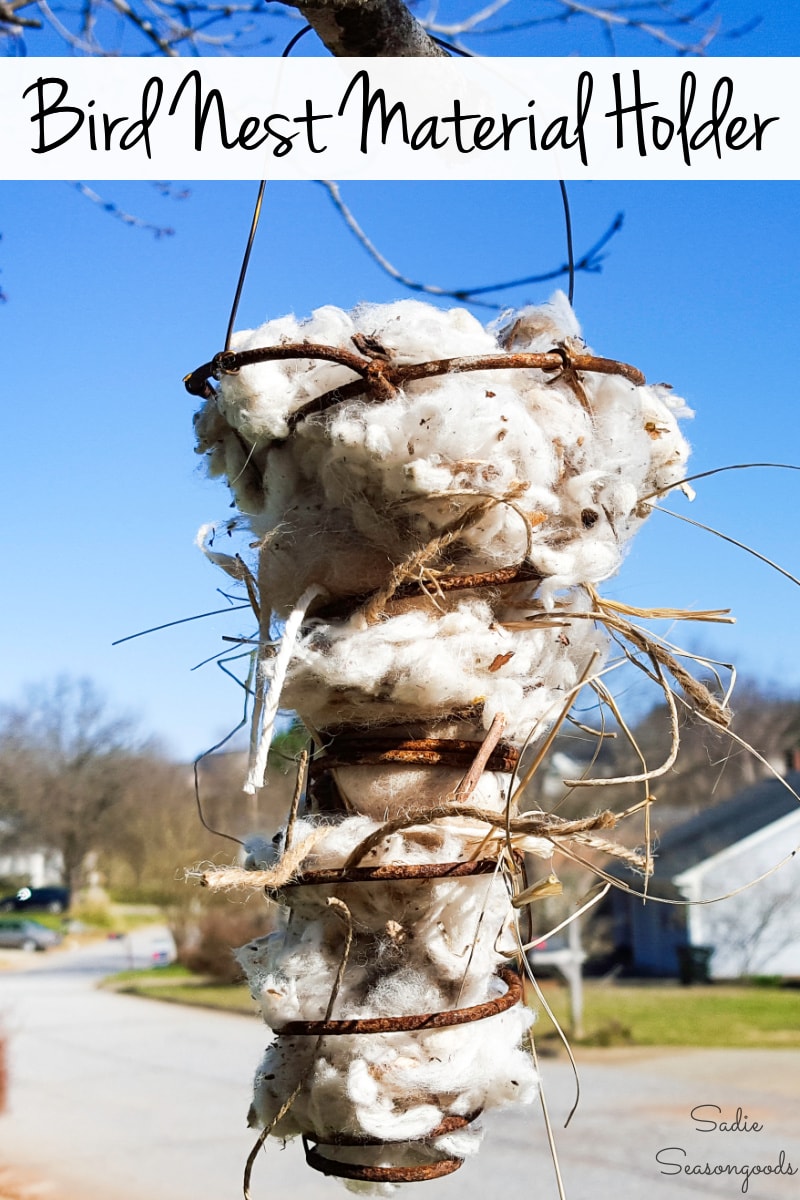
(37, 868)
(756, 932)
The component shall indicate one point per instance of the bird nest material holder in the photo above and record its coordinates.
(433, 506)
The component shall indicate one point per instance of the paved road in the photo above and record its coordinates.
(114, 1098)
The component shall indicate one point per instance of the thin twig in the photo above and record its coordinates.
(590, 261)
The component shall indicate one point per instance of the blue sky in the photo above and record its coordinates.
(103, 493)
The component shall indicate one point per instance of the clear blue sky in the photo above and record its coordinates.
(102, 491)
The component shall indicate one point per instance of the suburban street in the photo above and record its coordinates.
(120, 1098)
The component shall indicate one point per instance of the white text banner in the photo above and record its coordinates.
(502, 118)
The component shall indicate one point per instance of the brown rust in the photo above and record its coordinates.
(392, 872)
(448, 1125)
(416, 1174)
(407, 1024)
(372, 751)
(231, 361)
(552, 360)
(345, 606)
(398, 374)
(379, 378)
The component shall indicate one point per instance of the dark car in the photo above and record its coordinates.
(44, 899)
(22, 934)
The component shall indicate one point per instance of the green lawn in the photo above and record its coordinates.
(49, 919)
(670, 1015)
(177, 985)
(657, 1015)
(90, 920)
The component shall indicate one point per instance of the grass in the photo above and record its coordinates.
(226, 997)
(670, 1015)
(176, 984)
(92, 919)
(51, 920)
(147, 977)
(658, 1015)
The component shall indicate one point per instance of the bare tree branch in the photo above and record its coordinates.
(590, 261)
(653, 18)
(368, 28)
(373, 28)
(9, 16)
(127, 218)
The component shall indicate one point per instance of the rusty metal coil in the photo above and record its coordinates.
(371, 751)
(450, 1124)
(378, 378)
(408, 1174)
(344, 606)
(416, 1021)
(391, 873)
(415, 1174)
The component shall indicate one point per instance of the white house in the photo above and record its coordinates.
(753, 930)
(38, 867)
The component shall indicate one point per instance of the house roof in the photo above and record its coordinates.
(725, 824)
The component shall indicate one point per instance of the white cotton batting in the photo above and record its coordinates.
(380, 500)
(366, 485)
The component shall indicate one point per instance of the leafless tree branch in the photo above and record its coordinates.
(372, 28)
(127, 218)
(367, 28)
(590, 261)
(10, 16)
(653, 18)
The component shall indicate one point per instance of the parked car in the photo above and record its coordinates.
(163, 951)
(23, 934)
(43, 899)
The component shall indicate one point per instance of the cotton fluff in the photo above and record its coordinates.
(366, 485)
(355, 486)
(416, 949)
(380, 500)
(437, 662)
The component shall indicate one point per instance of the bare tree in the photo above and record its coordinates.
(65, 766)
(369, 28)
(711, 766)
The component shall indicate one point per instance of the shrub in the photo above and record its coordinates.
(206, 941)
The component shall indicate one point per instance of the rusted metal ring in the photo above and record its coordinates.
(395, 374)
(225, 363)
(399, 374)
(417, 1174)
(449, 1124)
(422, 752)
(423, 1021)
(392, 872)
(345, 606)
(498, 760)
